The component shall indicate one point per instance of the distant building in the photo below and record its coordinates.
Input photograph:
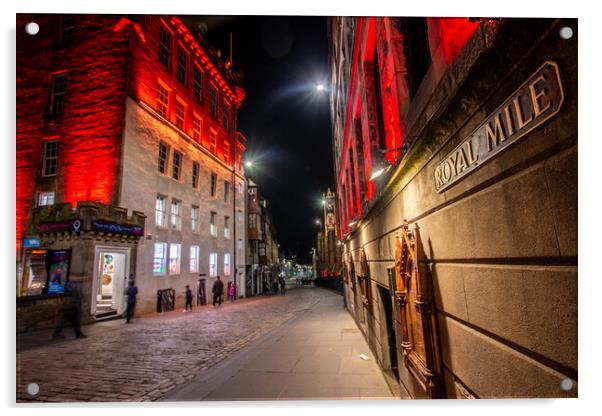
(455, 150)
(135, 112)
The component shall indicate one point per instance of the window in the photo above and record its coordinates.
(177, 165)
(194, 219)
(227, 150)
(194, 259)
(182, 71)
(180, 114)
(212, 142)
(213, 225)
(240, 243)
(174, 258)
(226, 191)
(226, 115)
(213, 101)
(195, 174)
(58, 90)
(165, 48)
(197, 84)
(252, 220)
(160, 209)
(227, 227)
(160, 258)
(162, 100)
(416, 47)
(196, 128)
(213, 264)
(51, 155)
(163, 156)
(262, 249)
(213, 184)
(227, 264)
(67, 28)
(176, 217)
(45, 198)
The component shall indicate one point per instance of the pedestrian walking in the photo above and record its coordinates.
(70, 310)
(188, 299)
(231, 292)
(218, 291)
(282, 285)
(131, 292)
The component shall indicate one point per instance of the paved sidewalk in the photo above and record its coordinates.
(315, 355)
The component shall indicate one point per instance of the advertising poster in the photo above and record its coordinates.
(58, 269)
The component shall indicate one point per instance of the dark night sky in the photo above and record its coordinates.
(286, 121)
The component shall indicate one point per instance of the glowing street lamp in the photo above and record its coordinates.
(323, 202)
(320, 87)
(249, 164)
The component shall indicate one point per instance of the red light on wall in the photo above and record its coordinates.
(454, 32)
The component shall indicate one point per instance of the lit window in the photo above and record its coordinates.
(45, 198)
(262, 249)
(212, 142)
(213, 225)
(194, 219)
(58, 90)
(213, 101)
(176, 218)
(162, 100)
(182, 72)
(227, 227)
(177, 165)
(160, 258)
(196, 128)
(163, 156)
(226, 115)
(227, 264)
(213, 184)
(165, 48)
(197, 87)
(51, 155)
(226, 191)
(194, 258)
(174, 258)
(160, 211)
(213, 264)
(195, 174)
(180, 114)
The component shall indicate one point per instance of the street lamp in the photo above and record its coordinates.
(323, 202)
(320, 87)
(249, 164)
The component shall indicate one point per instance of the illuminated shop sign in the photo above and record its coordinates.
(535, 102)
(111, 227)
(54, 227)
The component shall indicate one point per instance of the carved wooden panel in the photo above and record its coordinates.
(364, 278)
(413, 294)
(351, 270)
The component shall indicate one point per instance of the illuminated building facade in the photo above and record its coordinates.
(455, 149)
(139, 113)
(327, 245)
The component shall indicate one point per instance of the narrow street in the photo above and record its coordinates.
(303, 345)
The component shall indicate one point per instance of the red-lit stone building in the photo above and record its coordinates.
(127, 117)
(455, 148)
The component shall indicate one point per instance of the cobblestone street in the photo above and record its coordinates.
(148, 358)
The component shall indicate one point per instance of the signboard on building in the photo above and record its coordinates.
(535, 102)
(31, 242)
(115, 228)
(55, 227)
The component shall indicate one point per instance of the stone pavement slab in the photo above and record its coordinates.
(314, 356)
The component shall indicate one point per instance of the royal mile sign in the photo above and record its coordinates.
(534, 103)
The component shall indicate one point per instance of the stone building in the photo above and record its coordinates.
(455, 148)
(140, 113)
(328, 249)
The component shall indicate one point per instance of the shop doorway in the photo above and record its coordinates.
(110, 280)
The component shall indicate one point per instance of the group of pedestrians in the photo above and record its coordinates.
(70, 310)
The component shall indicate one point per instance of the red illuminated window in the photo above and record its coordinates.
(227, 151)
(212, 141)
(177, 165)
(196, 128)
(197, 84)
(180, 114)
(226, 115)
(162, 100)
(58, 89)
(163, 157)
(195, 174)
(165, 41)
(182, 72)
(51, 156)
(213, 101)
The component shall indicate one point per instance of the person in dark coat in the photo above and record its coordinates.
(132, 292)
(71, 310)
(218, 291)
(188, 298)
